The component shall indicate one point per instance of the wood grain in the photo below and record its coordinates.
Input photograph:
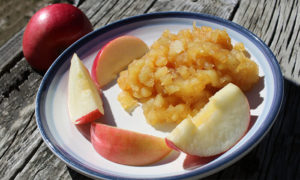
(277, 23)
(24, 155)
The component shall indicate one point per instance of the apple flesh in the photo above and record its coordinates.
(216, 128)
(127, 147)
(50, 31)
(84, 101)
(115, 56)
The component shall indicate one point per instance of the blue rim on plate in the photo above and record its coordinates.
(270, 119)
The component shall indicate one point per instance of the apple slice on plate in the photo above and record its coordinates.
(115, 56)
(216, 128)
(127, 147)
(84, 101)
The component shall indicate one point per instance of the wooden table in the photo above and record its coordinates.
(24, 155)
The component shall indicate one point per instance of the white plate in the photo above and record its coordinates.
(65, 140)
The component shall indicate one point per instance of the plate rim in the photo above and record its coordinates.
(239, 153)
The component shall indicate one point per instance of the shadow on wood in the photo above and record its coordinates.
(77, 176)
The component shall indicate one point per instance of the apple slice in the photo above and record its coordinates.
(127, 147)
(84, 101)
(217, 127)
(115, 56)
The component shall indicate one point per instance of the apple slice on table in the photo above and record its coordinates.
(127, 147)
(216, 128)
(115, 56)
(84, 101)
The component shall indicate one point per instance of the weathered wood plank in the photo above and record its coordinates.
(13, 78)
(44, 165)
(116, 10)
(19, 135)
(277, 23)
(11, 52)
(222, 9)
(23, 155)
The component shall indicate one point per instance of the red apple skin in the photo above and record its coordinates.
(94, 67)
(172, 145)
(84, 129)
(90, 117)
(95, 64)
(193, 162)
(127, 147)
(50, 31)
(98, 56)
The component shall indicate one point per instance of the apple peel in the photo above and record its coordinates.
(115, 56)
(127, 147)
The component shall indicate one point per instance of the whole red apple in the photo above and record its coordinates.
(50, 31)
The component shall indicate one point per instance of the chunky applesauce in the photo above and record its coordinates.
(181, 71)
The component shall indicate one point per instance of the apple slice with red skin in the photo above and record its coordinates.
(115, 56)
(127, 147)
(216, 128)
(84, 101)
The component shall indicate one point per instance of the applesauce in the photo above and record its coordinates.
(181, 71)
